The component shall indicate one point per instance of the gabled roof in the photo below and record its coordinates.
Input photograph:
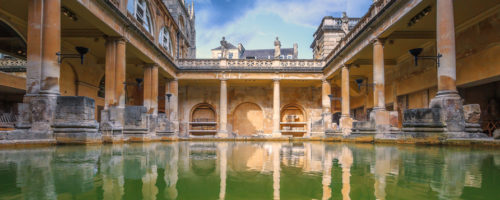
(230, 46)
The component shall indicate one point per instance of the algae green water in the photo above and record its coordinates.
(226, 170)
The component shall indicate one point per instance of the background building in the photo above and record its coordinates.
(230, 51)
(329, 33)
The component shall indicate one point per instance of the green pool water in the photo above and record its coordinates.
(226, 170)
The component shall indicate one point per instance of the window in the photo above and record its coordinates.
(140, 11)
(282, 57)
(230, 55)
(289, 57)
(165, 40)
(219, 55)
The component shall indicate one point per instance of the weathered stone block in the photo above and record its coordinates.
(394, 118)
(74, 120)
(472, 113)
(451, 111)
(422, 117)
(496, 134)
(135, 120)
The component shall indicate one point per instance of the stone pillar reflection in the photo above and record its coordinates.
(172, 173)
(115, 66)
(149, 189)
(327, 175)
(276, 108)
(276, 170)
(346, 160)
(223, 110)
(378, 75)
(326, 104)
(345, 122)
(222, 148)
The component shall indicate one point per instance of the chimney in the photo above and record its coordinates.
(277, 48)
(295, 51)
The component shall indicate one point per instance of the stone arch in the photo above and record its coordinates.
(293, 118)
(248, 119)
(203, 120)
(16, 45)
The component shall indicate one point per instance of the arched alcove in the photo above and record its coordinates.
(13, 43)
(248, 119)
(293, 120)
(203, 120)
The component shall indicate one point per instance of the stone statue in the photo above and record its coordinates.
(223, 44)
(277, 48)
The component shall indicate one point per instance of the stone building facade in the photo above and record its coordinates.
(139, 81)
(229, 51)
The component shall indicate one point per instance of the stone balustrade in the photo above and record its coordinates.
(372, 13)
(301, 65)
(12, 62)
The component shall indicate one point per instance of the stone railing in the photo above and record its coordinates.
(250, 65)
(12, 62)
(12, 65)
(372, 13)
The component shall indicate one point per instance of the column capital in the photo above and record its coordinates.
(276, 80)
(347, 66)
(223, 79)
(115, 39)
(378, 41)
(150, 65)
(325, 80)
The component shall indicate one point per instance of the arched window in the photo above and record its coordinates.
(139, 9)
(165, 40)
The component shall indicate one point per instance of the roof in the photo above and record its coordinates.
(265, 53)
(231, 46)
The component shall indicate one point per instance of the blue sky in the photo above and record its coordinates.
(256, 23)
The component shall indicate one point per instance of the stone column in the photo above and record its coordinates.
(378, 75)
(223, 109)
(174, 105)
(151, 89)
(327, 106)
(447, 97)
(43, 69)
(379, 114)
(115, 73)
(276, 108)
(345, 119)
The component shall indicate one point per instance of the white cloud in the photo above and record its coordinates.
(256, 28)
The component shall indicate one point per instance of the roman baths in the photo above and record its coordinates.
(109, 99)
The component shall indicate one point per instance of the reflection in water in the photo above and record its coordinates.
(205, 170)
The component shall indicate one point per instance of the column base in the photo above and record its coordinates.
(345, 124)
(276, 134)
(75, 121)
(222, 134)
(450, 106)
